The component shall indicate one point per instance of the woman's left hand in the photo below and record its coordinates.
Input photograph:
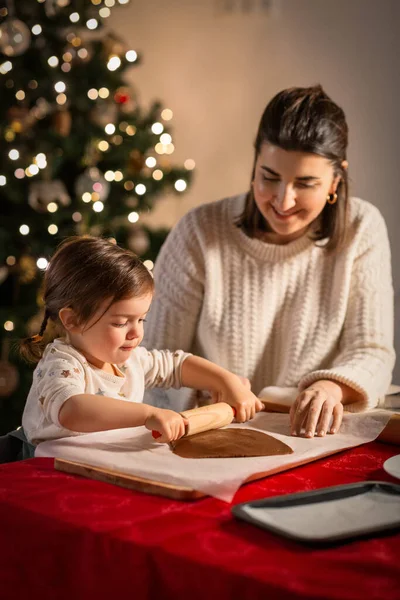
(314, 408)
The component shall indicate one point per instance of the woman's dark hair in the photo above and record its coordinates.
(83, 273)
(305, 120)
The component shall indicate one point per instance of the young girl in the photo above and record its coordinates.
(93, 377)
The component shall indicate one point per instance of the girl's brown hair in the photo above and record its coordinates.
(305, 120)
(83, 273)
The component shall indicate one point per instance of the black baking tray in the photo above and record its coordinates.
(327, 515)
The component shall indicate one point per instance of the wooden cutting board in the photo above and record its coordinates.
(390, 435)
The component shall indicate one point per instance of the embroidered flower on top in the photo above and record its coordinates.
(100, 392)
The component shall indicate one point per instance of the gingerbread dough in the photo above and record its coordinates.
(229, 443)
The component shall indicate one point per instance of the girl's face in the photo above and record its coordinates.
(290, 190)
(111, 337)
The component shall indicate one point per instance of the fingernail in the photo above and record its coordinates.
(321, 433)
(309, 434)
(333, 430)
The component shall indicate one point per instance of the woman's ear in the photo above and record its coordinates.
(69, 320)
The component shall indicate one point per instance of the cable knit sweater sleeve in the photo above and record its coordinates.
(179, 275)
(366, 356)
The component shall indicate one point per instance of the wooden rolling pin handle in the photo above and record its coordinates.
(197, 414)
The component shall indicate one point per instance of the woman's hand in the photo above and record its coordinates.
(169, 423)
(314, 408)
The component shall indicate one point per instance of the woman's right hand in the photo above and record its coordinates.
(170, 424)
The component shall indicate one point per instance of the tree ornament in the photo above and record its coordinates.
(139, 241)
(9, 377)
(15, 37)
(92, 181)
(41, 193)
(62, 122)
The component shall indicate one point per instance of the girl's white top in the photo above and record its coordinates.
(281, 315)
(64, 372)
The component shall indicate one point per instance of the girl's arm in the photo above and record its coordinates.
(87, 413)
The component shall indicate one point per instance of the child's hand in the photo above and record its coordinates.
(170, 424)
(239, 395)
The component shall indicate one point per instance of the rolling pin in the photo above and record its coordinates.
(204, 418)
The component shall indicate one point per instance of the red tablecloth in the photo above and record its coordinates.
(66, 537)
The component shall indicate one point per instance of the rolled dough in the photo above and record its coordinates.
(229, 443)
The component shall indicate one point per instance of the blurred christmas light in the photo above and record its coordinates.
(11, 260)
(87, 197)
(180, 185)
(36, 29)
(117, 139)
(65, 67)
(159, 148)
(24, 229)
(165, 138)
(19, 173)
(123, 126)
(140, 189)
(189, 164)
(33, 170)
(123, 1)
(83, 53)
(169, 149)
(42, 263)
(20, 95)
(131, 130)
(93, 94)
(92, 24)
(118, 176)
(103, 146)
(53, 61)
(77, 217)
(131, 56)
(52, 229)
(151, 162)
(113, 63)
(98, 206)
(133, 217)
(109, 128)
(149, 264)
(52, 207)
(109, 3)
(74, 17)
(104, 92)
(60, 87)
(9, 326)
(129, 185)
(167, 114)
(5, 67)
(158, 175)
(67, 56)
(61, 99)
(157, 128)
(104, 12)
(33, 84)
(13, 154)
(109, 176)
(3, 180)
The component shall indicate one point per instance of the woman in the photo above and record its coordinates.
(290, 284)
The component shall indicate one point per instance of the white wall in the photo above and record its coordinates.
(217, 72)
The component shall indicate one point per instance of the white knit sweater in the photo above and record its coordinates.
(281, 315)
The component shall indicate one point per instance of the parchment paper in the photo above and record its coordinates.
(134, 451)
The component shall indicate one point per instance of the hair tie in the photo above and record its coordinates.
(36, 338)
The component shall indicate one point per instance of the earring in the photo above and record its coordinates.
(331, 198)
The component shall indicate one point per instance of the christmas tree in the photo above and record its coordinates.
(78, 156)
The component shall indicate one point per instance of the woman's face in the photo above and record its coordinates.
(290, 190)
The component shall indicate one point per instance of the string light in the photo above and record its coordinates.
(20, 95)
(40, 160)
(52, 229)
(33, 170)
(60, 87)
(19, 173)
(117, 139)
(109, 176)
(65, 67)
(74, 17)
(180, 185)
(9, 326)
(24, 229)
(131, 130)
(158, 175)
(83, 53)
(103, 146)
(11, 260)
(5, 67)
(118, 176)
(104, 12)
(104, 92)
(189, 164)
(36, 29)
(109, 3)
(169, 149)
(167, 114)
(87, 197)
(131, 56)
(113, 63)
(42, 263)
(61, 99)
(52, 207)
(133, 217)
(159, 148)
(98, 206)
(151, 162)
(129, 185)
(53, 61)
(13, 154)
(92, 24)
(3, 180)
(77, 217)
(93, 94)
(140, 189)
(109, 128)
(165, 138)
(157, 128)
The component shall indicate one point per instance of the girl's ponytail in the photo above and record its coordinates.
(32, 348)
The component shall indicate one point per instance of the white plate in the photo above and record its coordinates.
(392, 466)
